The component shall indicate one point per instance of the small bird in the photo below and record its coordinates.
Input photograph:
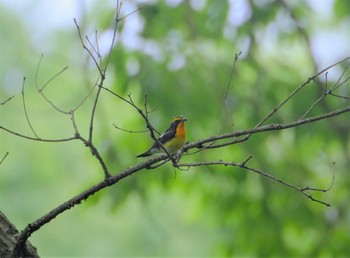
(172, 139)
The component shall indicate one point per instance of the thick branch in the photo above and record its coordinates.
(32, 227)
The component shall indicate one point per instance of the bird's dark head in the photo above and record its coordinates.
(177, 120)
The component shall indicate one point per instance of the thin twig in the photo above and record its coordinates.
(340, 96)
(257, 171)
(3, 158)
(328, 92)
(135, 11)
(338, 84)
(313, 105)
(96, 154)
(37, 139)
(85, 98)
(146, 106)
(86, 48)
(102, 78)
(297, 90)
(5, 101)
(25, 109)
(98, 52)
(41, 90)
(50, 80)
(322, 190)
(102, 72)
(91, 127)
(202, 148)
(75, 127)
(228, 88)
(114, 35)
(129, 131)
(93, 48)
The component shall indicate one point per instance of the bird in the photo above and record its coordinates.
(172, 139)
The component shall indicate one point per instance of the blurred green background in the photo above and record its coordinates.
(179, 54)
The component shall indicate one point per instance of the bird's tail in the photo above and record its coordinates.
(145, 154)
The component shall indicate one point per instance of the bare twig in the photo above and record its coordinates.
(340, 96)
(92, 46)
(102, 71)
(91, 128)
(98, 52)
(135, 11)
(330, 91)
(338, 83)
(76, 131)
(129, 131)
(297, 90)
(262, 173)
(314, 105)
(25, 109)
(86, 48)
(100, 83)
(40, 90)
(37, 139)
(202, 148)
(85, 98)
(114, 34)
(228, 87)
(3, 158)
(5, 101)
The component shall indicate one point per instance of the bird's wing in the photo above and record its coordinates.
(166, 136)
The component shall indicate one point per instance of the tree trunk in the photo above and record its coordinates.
(8, 235)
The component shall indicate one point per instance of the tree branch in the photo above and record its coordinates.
(34, 226)
(271, 127)
(243, 165)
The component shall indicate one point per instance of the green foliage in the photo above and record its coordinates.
(181, 61)
(341, 8)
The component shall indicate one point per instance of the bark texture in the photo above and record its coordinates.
(8, 234)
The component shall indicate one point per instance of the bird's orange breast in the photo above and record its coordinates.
(178, 141)
(180, 130)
